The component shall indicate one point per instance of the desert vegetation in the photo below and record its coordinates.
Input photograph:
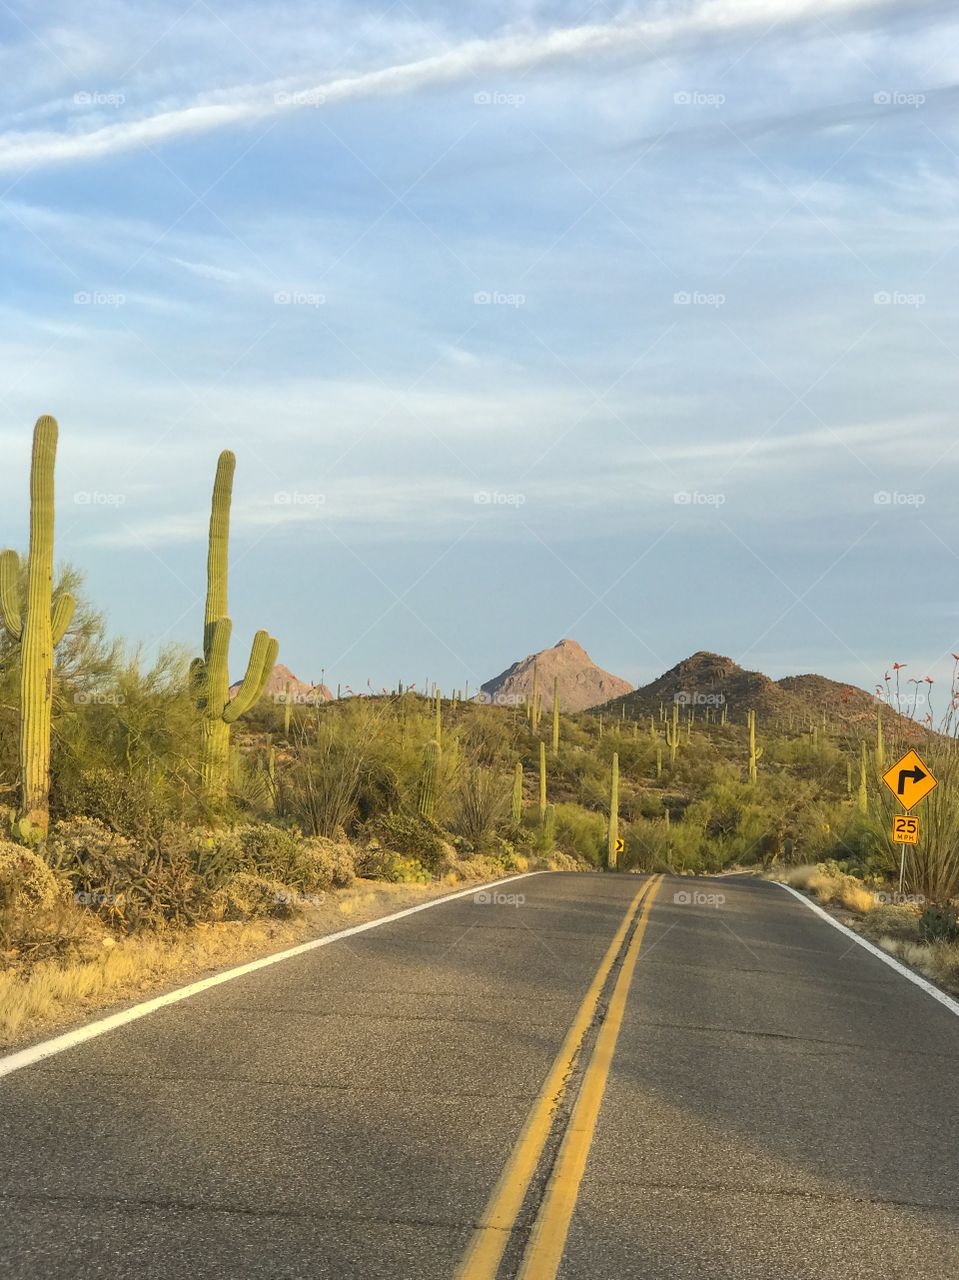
(142, 800)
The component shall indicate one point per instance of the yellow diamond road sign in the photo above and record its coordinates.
(909, 780)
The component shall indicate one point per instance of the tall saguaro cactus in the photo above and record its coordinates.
(427, 790)
(612, 854)
(754, 752)
(38, 631)
(542, 780)
(210, 674)
(518, 793)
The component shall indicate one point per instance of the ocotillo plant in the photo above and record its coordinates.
(555, 715)
(880, 746)
(754, 752)
(542, 780)
(38, 631)
(518, 793)
(611, 854)
(863, 770)
(209, 675)
(426, 802)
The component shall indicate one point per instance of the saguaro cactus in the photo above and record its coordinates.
(518, 793)
(38, 632)
(431, 765)
(754, 752)
(863, 774)
(542, 780)
(611, 854)
(672, 734)
(210, 674)
(549, 826)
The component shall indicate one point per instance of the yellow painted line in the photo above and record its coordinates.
(485, 1251)
(548, 1237)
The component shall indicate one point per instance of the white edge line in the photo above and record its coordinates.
(47, 1048)
(884, 956)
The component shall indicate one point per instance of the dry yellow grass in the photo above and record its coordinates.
(56, 993)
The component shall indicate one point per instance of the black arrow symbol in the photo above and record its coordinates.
(916, 774)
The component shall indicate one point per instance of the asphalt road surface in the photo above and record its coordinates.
(581, 1083)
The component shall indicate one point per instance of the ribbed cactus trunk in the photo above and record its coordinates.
(549, 826)
(38, 632)
(754, 752)
(542, 781)
(518, 793)
(431, 765)
(612, 855)
(211, 673)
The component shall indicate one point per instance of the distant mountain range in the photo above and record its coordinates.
(284, 684)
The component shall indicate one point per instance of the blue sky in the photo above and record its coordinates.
(633, 323)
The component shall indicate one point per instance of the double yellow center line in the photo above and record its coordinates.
(548, 1237)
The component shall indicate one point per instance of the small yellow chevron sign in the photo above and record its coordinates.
(619, 845)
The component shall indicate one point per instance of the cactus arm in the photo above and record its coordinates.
(10, 593)
(262, 661)
(62, 616)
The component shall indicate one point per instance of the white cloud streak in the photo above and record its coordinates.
(710, 18)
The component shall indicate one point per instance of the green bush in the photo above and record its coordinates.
(26, 882)
(939, 925)
(410, 835)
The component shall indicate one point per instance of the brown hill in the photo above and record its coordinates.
(710, 680)
(581, 683)
(282, 684)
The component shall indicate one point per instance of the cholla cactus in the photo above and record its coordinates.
(209, 675)
(427, 792)
(37, 631)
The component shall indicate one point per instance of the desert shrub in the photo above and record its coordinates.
(939, 925)
(410, 835)
(383, 864)
(326, 864)
(26, 882)
(482, 801)
(246, 896)
(893, 920)
(581, 832)
(272, 852)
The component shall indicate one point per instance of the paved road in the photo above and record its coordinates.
(752, 1096)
